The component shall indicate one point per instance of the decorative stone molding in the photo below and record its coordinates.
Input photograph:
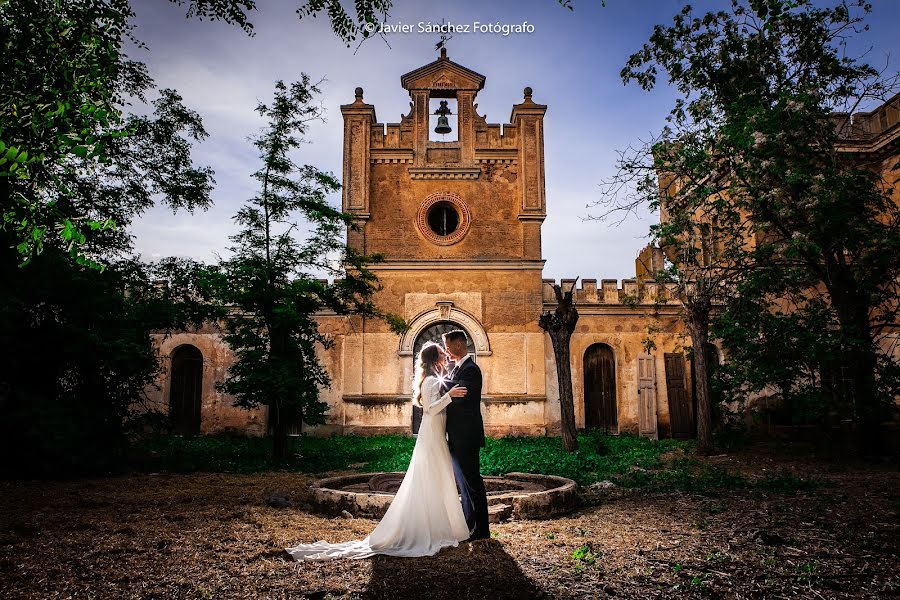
(451, 264)
(497, 155)
(444, 308)
(462, 210)
(391, 155)
(445, 311)
(512, 399)
(498, 161)
(444, 173)
(390, 161)
(374, 399)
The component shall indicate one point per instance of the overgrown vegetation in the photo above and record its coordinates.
(88, 145)
(626, 460)
(764, 210)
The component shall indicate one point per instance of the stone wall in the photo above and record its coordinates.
(217, 410)
(623, 318)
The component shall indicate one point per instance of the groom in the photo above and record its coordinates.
(465, 434)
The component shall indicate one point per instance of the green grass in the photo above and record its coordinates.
(599, 456)
(627, 460)
(237, 454)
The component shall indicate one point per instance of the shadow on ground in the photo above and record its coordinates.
(481, 569)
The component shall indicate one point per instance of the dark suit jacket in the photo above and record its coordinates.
(464, 424)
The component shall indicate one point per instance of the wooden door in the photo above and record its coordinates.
(681, 410)
(647, 396)
(600, 408)
(185, 390)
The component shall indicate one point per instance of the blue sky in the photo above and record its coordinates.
(571, 60)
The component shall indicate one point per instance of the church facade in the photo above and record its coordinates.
(459, 224)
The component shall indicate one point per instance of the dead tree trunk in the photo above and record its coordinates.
(560, 324)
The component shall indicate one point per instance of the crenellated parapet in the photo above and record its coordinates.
(631, 292)
(869, 132)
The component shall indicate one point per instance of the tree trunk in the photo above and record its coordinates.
(280, 438)
(861, 367)
(698, 328)
(280, 426)
(560, 324)
(566, 397)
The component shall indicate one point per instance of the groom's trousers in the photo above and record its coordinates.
(467, 470)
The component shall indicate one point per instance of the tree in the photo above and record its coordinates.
(79, 357)
(76, 170)
(266, 287)
(70, 152)
(700, 233)
(762, 87)
(560, 325)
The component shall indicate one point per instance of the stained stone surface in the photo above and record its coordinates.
(527, 495)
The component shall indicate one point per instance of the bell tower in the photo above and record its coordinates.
(480, 196)
(458, 222)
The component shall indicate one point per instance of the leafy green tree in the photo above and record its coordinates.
(79, 357)
(74, 166)
(700, 233)
(757, 130)
(267, 287)
(76, 170)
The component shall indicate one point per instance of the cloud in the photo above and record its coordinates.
(572, 61)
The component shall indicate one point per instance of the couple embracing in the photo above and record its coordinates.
(442, 500)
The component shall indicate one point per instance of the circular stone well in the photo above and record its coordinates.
(517, 495)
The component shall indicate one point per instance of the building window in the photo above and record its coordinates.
(443, 218)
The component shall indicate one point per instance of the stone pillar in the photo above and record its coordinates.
(465, 106)
(358, 120)
(528, 118)
(420, 126)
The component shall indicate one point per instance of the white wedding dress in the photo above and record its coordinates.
(426, 514)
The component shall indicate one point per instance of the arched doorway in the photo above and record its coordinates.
(433, 333)
(600, 409)
(185, 390)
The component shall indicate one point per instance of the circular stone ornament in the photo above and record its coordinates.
(443, 218)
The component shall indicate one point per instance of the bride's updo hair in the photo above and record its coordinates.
(428, 357)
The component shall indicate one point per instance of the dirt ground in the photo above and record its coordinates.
(212, 536)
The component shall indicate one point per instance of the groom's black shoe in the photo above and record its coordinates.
(478, 537)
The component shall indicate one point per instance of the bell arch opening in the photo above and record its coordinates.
(442, 118)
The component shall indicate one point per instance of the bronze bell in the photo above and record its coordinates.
(443, 125)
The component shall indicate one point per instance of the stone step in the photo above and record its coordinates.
(499, 512)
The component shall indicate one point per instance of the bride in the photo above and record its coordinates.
(426, 514)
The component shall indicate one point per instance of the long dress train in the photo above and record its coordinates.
(426, 514)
